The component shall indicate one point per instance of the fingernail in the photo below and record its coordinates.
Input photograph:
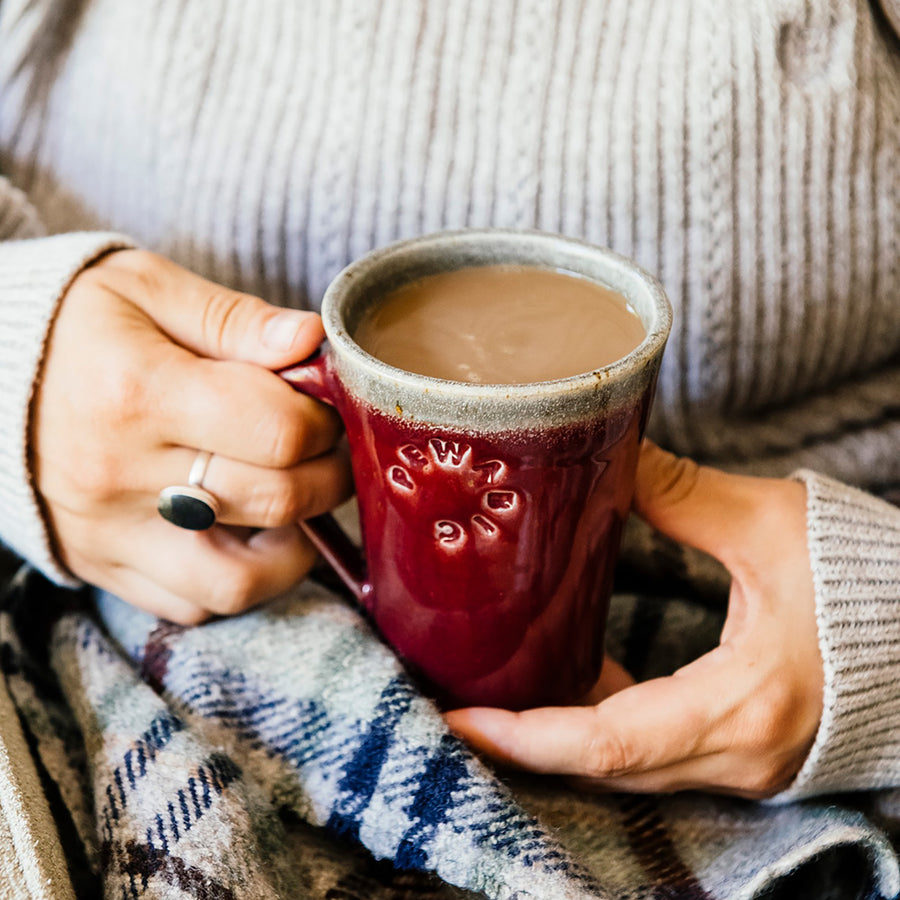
(281, 330)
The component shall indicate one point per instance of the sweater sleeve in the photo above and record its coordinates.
(854, 545)
(34, 274)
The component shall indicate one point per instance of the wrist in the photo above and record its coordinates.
(853, 539)
(34, 276)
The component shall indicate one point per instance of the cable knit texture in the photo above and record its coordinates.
(740, 154)
(744, 152)
(743, 155)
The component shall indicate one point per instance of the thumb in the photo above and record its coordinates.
(643, 727)
(215, 321)
(696, 505)
(224, 324)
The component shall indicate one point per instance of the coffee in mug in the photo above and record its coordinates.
(490, 513)
(500, 324)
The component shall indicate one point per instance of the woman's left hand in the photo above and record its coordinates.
(739, 720)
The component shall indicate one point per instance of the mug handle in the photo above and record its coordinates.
(314, 377)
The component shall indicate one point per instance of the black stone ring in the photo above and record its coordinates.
(190, 505)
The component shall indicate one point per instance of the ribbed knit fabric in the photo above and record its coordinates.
(34, 274)
(744, 152)
(854, 546)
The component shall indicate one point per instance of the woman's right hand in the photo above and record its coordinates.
(740, 719)
(147, 364)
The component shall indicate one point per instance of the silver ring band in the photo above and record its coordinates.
(190, 506)
(198, 469)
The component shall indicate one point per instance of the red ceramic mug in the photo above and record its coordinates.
(490, 514)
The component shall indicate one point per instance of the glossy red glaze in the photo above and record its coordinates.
(490, 552)
(491, 556)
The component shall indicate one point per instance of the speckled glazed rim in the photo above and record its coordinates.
(491, 408)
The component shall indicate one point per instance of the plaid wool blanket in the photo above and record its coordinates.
(286, 754)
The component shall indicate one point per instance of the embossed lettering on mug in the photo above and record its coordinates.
(498, 504)
(491, 512)
(500, 325)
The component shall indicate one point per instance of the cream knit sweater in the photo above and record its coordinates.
(745, 152)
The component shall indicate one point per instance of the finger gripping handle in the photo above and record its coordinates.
(314, 377)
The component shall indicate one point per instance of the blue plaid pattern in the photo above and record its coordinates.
(286, 753)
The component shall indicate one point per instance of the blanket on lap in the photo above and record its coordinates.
(285, 753)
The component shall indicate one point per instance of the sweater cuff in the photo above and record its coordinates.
(854, 546)
(34, 276)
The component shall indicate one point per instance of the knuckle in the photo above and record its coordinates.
(115, 398)
(677, 479)
(233, 592)
(767, 778)
(284, 507)
(101, 474)
(115, 388)
(126, 397)
(608, 755)
(132, 271)
(98, 479)
(285, 437)
(781, 700)
(769, 734)
(769, 718)
(147, 267)
(220, 318)
(190, 616)
(92, 474)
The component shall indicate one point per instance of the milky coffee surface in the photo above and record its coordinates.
(500, 325)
